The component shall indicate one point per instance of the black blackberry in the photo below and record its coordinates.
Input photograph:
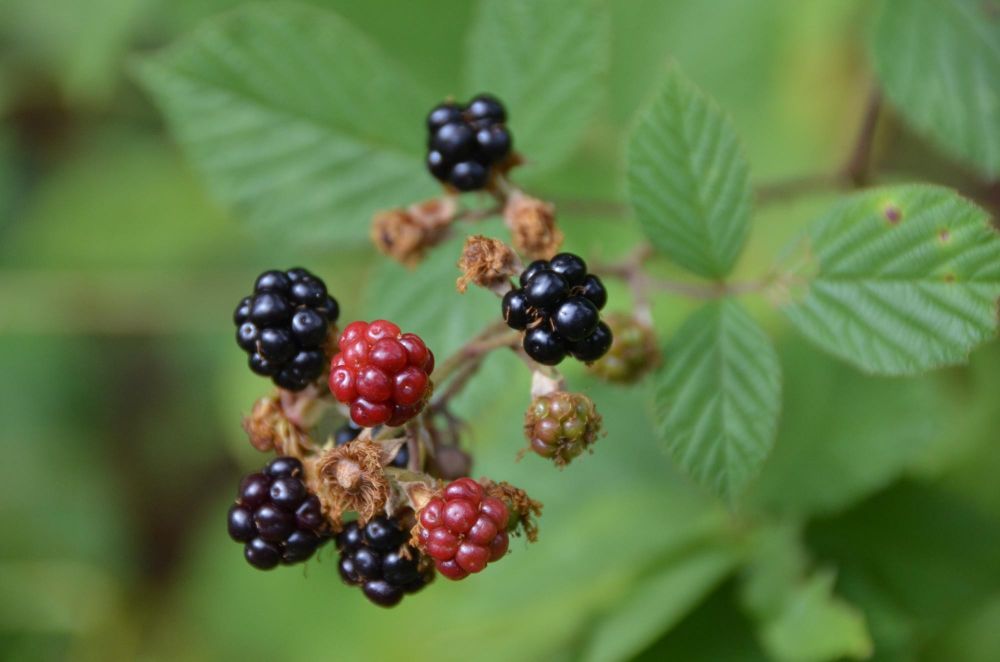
(378, 558)
(349, 431)
(282, 327)
(558, 307)
(467, 142)
(276, 517)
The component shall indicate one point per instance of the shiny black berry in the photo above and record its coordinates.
(442, 114)
(468, 175)
(558, 306)
(486, 106)
(546, 290)
(544, 345)
(282, 327)
(593, 289)
(594, 346)
(569, 266)
(378, 559)
(532, 269)
(276, 517)
(576, 318)
(466, 143)
(515, 310)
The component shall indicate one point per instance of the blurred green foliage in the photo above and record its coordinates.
(873, 527)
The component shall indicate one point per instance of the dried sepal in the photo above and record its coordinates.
(406, 234)
(523, 509)
(269, 428)
(532, 224)
(350, 478)
(488, 263)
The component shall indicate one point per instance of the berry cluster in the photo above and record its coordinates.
(282, 326)
(375, 558)
(350, 430)
(463, 530)
(276, 517)
(467, 142)
(558, 307)
(382, 373)
(561, 425)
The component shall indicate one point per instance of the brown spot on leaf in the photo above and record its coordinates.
(949, 277)
(944, 235)
(893, 214)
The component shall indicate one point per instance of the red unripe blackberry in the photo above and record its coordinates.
(276, 517)
(463, 530)
(376, 558)
(382, 374)
(283, 325)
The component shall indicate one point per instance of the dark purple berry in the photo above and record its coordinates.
(269, 308)
(347, 432)
(308, 327)
(309, 514)
(454, 141)
(576, 318)
(593, 289)
(273, 524)
(442, 114)
(254, 490)
(493, 143)
(367, 563)
(544, 345)
(383, 593)
(308, 292)
(468, 175)
(276, 344)
(486, 106)
(546, 290)
(515, 310)
(569, 266)
(283, 466)
(261, 554)
(246, 337)
(437, 164)
(273, 280)
(532, 269)
(241, 526)
(288, 493)
(383, 534)
(242, 312)
(593, 346)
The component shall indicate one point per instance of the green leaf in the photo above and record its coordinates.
(542, 59)
(718, 399)
(939, 63)
(824, 460)
(659, 602)
(814, 625)
(295, 119)
(688, 180)
(904, 279)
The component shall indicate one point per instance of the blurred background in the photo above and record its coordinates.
(122, 391)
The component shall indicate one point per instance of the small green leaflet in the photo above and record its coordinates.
(717, 401)
(899, 280)
(688, 180)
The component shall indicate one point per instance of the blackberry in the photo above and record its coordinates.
(467, 143)
(377, 558)
(350, 430)
(283, 325)
(558, 307)
(276, 517)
